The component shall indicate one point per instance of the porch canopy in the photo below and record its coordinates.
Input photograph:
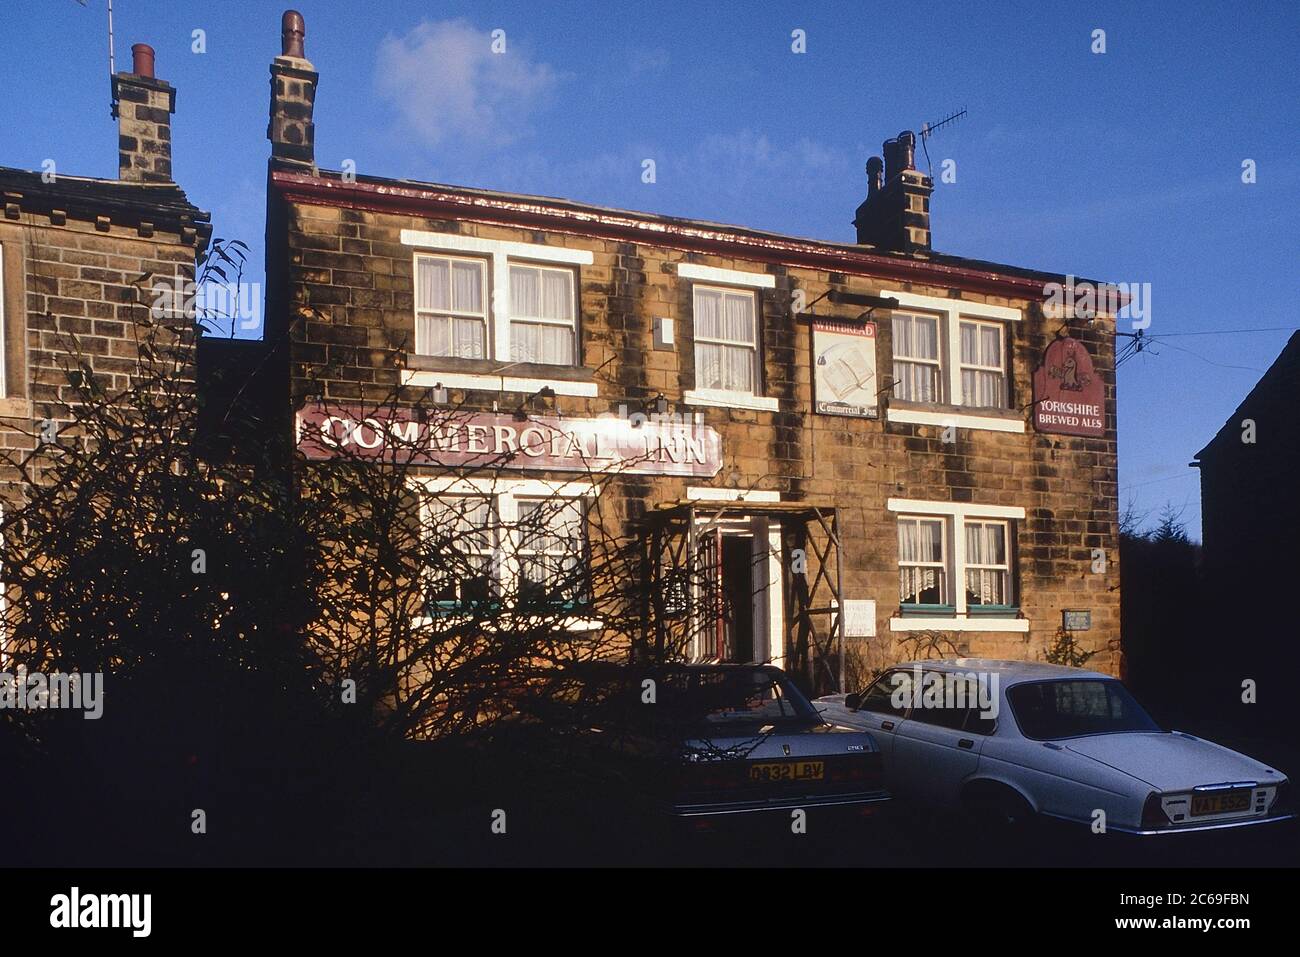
(683, 594)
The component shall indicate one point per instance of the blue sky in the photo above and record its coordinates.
(1124, 166)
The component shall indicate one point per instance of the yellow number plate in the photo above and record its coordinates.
(1223, 803)
(788, 771)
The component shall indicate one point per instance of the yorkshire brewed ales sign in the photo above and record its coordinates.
(844, 368)
(635, 445)
(1068, 394)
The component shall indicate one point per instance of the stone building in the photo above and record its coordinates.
(82, 259)
(892, 452)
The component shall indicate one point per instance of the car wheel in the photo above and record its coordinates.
(999, 807)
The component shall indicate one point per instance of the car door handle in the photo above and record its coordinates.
(965, 743)
(887, 725)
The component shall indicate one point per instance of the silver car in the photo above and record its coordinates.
(1011, 739)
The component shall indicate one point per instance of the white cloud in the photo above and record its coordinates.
(446, 84)
(648, 62)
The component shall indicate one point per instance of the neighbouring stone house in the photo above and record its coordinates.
(82, 258)
(1249, 515)
(79, 261)
(892, 452)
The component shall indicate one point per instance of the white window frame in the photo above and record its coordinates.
(1001, 370)
(752, 346)
(952, 312)
(493, 550)
(504, 495)
(518, 318)
(4, 332)
(517, 547)
(451, 313)
(733, 279)
(957, 513)
(1008, 588)
(936, 363)
(943, 562)
(499, 254)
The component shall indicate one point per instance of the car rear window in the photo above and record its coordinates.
(1050, 710)
(731, 697)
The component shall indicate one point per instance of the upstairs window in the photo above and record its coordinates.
(983, 365)
(451, 307)
(542, 317)
(917, 364)
(726, 340)
(4, 338)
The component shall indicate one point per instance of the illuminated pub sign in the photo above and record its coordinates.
(638, 445)
(1069, 396)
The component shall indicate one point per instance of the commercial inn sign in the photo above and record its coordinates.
(630, 445)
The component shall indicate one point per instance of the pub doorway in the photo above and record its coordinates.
(745, 582)
(730, 593)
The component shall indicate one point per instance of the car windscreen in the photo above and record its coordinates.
(714, 701)
(1050, 710)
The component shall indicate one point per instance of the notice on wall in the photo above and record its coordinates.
(1076, 619)
(844, 368)
(654, 445)
(859, 618)
(1069, 396)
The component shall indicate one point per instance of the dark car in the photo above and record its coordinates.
(703, 741)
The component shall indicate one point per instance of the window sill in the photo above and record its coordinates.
(951, 623)
(730, 400)
(16, 407)
(922, 413)
(932, 611)
(527, 378)
(573, 624)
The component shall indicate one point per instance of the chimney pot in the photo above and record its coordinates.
(293, 33)
(896, 213)
(900, 154)
(142, 60)
(875, 175)
(293, 97)
(143, 105)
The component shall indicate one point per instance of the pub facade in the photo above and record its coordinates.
(864, 451)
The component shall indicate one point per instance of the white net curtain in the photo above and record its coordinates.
(541, 315)
(921, 562)
(725, 346)
(986, 564)
(450, 316)
(916, 358)
(981, 348)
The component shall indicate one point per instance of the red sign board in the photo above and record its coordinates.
(634, 445)
(1069, 396)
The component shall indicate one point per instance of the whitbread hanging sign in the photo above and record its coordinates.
(634, 445)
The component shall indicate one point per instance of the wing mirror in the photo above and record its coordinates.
(853, 701)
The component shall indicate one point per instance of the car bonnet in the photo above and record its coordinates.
(1169, 761)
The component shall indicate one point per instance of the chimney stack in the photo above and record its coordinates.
(143, 106)
(896, 213)
(293, 96)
